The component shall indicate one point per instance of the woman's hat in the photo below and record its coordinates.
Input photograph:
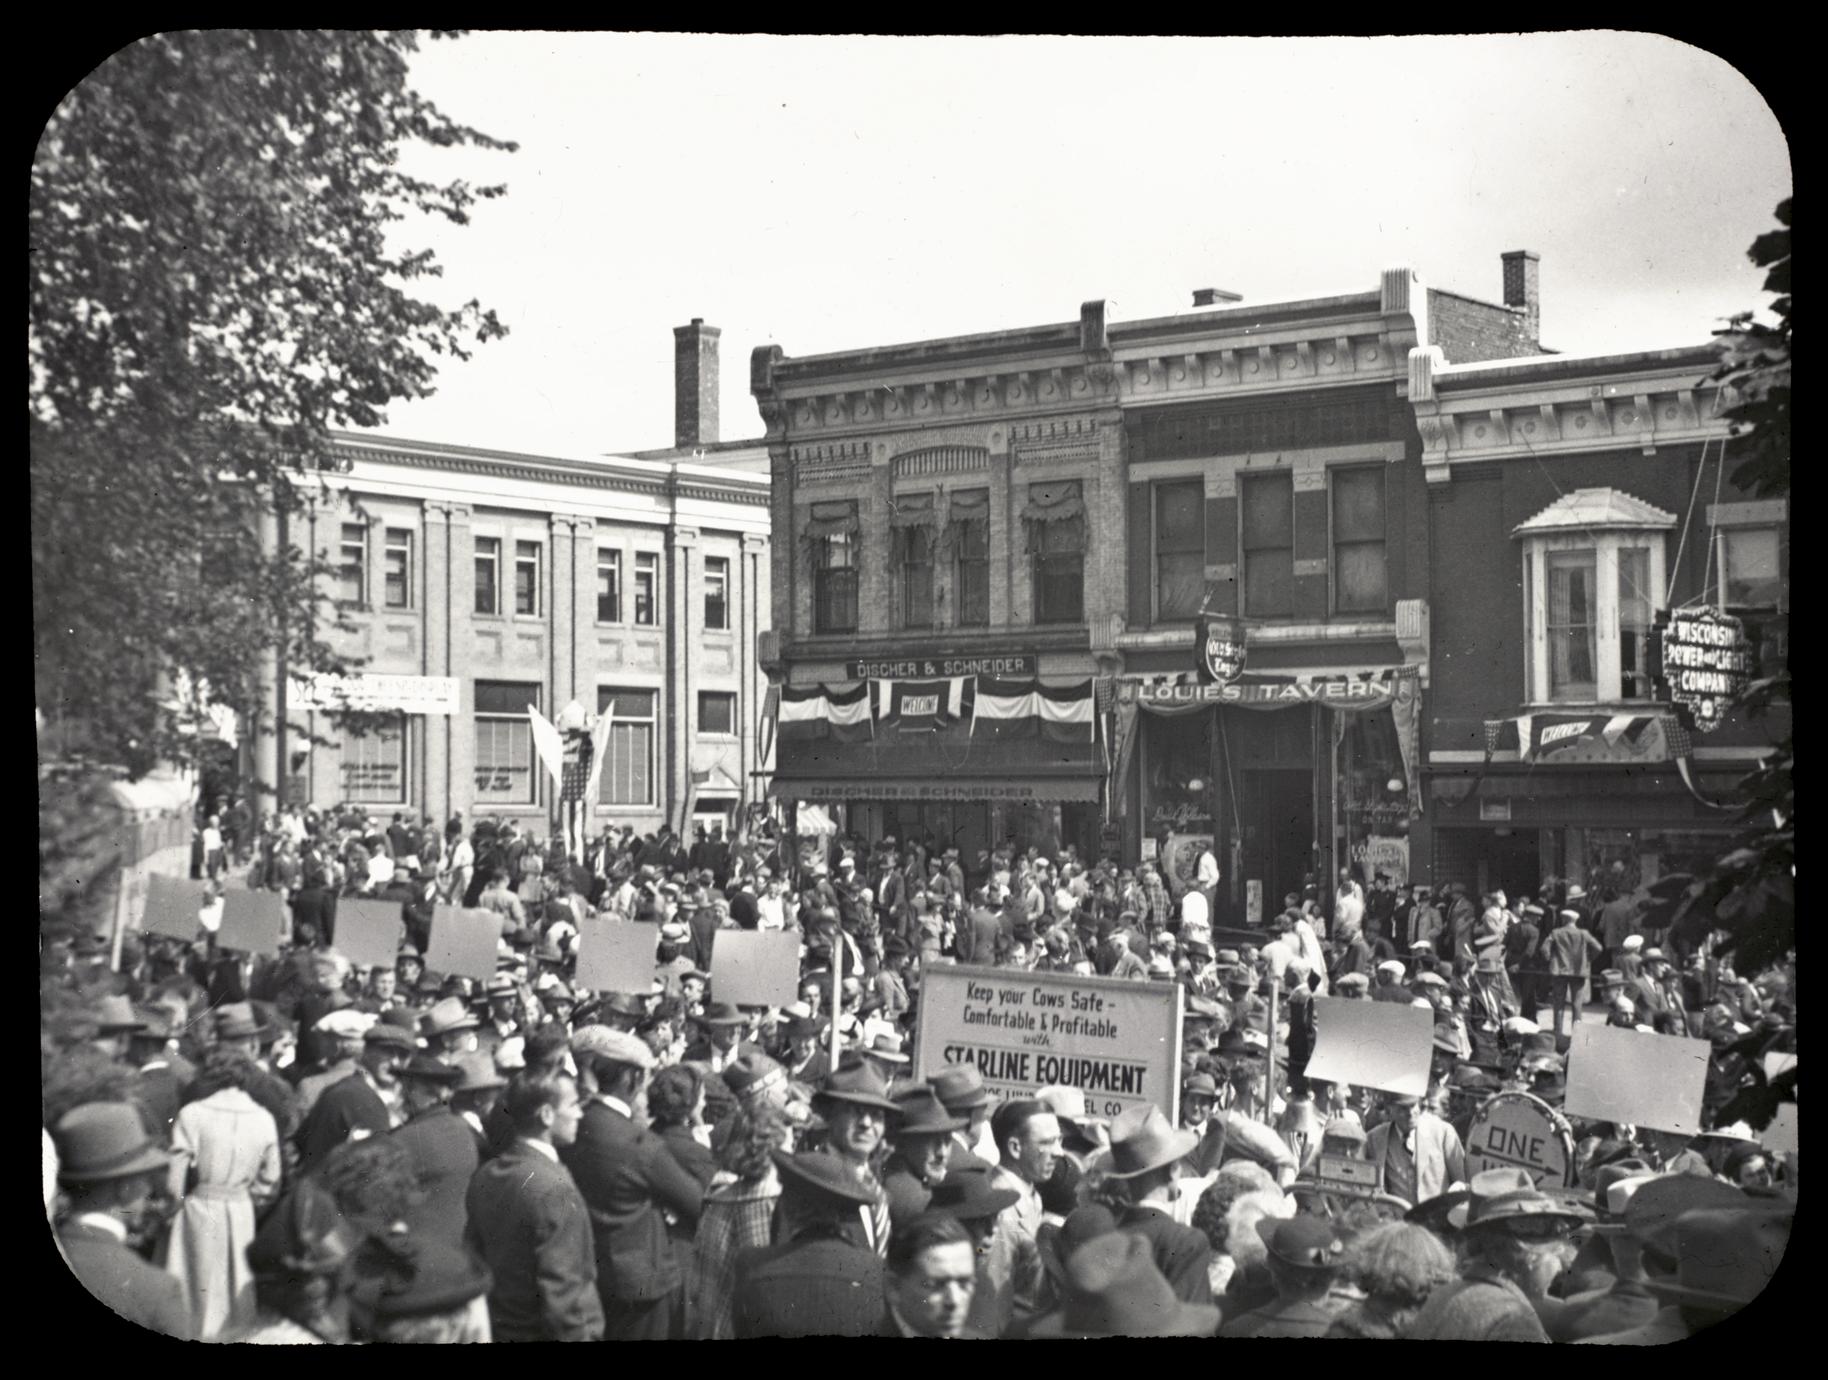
(1500, 1197)
(1142, 1139)
(99, 1141)
(407, 1277)
(923, 1114)
(1308, 1243)
(753, 1073)
(824, 1174)
(1113, 1289)
(969, 1196)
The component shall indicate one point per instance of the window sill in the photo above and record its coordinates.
(1594, 707)
(491, 617)
(719, 737)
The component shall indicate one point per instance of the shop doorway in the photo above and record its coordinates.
(1278, 832)
(1486, 859)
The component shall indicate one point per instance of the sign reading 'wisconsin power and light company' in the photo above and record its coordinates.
(1117, 1041)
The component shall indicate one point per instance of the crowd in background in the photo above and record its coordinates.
(285, 1148)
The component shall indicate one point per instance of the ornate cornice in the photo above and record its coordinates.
(1554, 407)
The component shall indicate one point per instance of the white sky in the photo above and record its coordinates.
(838, 193)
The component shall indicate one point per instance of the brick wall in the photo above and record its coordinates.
(1469, 330)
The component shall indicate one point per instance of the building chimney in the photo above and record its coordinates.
(695, 384)
(1211, 297)
(1522, 289)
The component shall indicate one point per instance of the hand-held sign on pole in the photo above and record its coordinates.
(756, 967)
(463, 942)
(252, 922)
(617, 955)
(173, 906)
(1372, 1044)
(1642, 1080)
(368, 933)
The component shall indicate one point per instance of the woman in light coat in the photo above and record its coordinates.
(228, 1158)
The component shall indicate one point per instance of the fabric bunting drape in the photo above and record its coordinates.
(830, 520)
(1049, 504)
(981, 704)
(964, 508)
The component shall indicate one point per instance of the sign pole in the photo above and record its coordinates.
(837, 989)
(1269, 1074)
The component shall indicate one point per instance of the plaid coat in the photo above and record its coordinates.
(736, 1216)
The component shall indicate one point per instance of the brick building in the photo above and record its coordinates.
(1569, 502)
(1021, 519)
(481, 581)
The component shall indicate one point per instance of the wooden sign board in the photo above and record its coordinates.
(1641, 1080)
(1372, 1044)
(368, 933)
(463, 942)
(616, 955)
(756, 967)
(173, 907)
(253, 922)
(1119, 1042)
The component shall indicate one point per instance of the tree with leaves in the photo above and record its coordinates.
(215, 285)
(1748, 896)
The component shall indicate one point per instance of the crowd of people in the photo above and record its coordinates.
(285, 1149)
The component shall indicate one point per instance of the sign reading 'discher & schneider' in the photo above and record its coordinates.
(1118, 1041)
(928, 668)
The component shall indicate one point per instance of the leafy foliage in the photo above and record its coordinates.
(213, 290)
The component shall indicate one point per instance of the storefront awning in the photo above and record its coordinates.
(957, 789)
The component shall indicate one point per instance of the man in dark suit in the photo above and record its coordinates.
(923, 1152)
(443, 1149)
(817, 1282)
(977, 937)
(529, 1223)
(109, 1166)
(627, 1176)
(744, 909)
(930, 1278)
(1144, 1148)
(358, 1103)
(807, 1058)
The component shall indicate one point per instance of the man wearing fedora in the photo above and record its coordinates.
(361, 1105)
(441, 1147)
(629, 1178)
(1619, 1299)
(1417, 1154)
(856, 1108)
(967, 1196)
(110, 1168)
(1513, 1237)
(1111, 1287)
(961, 1089)
(923, 1151)
(816, 1281)
(721, 1042)
(476, 1096)
(1570, 950)
(1145, 1151)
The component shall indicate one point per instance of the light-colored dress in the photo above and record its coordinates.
(230, 1144)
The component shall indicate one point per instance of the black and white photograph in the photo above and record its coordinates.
(714, 687)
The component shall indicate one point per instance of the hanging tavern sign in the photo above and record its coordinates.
(1220, 644)
(1705, 663)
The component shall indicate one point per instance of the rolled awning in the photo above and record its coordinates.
(958, 789)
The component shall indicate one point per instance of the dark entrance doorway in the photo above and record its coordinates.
(1278, 832)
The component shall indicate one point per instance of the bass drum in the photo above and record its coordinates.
(1516, 1130)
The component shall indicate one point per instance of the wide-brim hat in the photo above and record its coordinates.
(99, 1141)
(860, 1085)
(1142, 1140)
(1303, 1241)
(386, 1035)
(806, 1027)
(723, 1013)
(1502, 1196)
(114, 1015)
(1056, 1242)
(1069, 1105)
(1725, 1256)
(448, 1016)
(1113, 1288)
(961, 1088)
(477, 1073)
(887, 1048)
(422, 1068)
(923, 1114)
(416, 1277)
(239, 1021)
(969, 1196)
(824, 1174)
(1436, 1213)
(1653, 1211)
(1199, 1085)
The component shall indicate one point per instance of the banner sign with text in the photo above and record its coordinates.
(1183, 695)
(407, 694)
(1117, 1041)
(941, 667)
(1703, 661)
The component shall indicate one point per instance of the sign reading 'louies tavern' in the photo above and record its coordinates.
(1705, 661)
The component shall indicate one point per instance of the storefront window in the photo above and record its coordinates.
(1177, 798)
(1373, 795)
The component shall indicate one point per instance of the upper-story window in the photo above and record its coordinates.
(1360, 583)
(911, 531)
(831, 535)
(488, 574)
(609, 585)
(352, 564)
(1751, 554)
(1180, 549)
(647, 585)
(1267, 507)
(969, 528)
(527, 577)
(1055, 519)
(717, 592)
(398, 571)
(1593, 581)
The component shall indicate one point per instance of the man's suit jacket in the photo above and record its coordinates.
(977, 937)
(908, 1196)
(341, 1109)
(1440, 1159)
(1181, 1253)
(743, 909)
(814, 1286)
(444, 1156)
(1568, 949)
(627, 1174)
(141, 1293)
(529, 1224)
